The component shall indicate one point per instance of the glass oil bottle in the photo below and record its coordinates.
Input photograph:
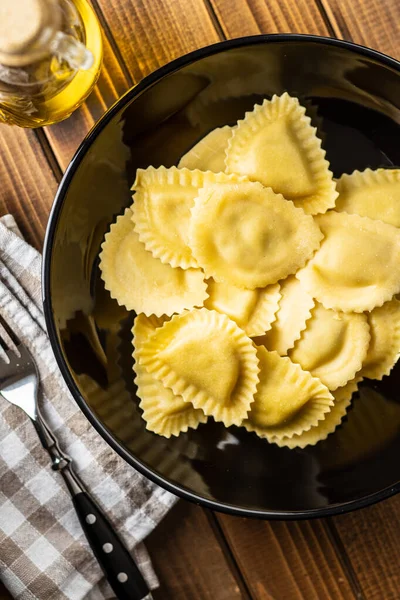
(50, 59)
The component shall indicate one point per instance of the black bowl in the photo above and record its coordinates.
(353, 96)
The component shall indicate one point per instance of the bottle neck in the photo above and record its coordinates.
(45, 37)
(26, 36)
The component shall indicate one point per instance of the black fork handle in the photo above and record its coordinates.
(120, 569)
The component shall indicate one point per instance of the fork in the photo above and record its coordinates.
(19, 383)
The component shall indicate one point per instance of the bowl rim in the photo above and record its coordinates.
(146, 82)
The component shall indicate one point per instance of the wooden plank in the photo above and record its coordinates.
(373, 23)
(149, 33)
(371, 538)
(188, 558)
(28, 184)
(250, 17)
(282, 560)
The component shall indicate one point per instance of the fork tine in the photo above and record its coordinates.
(16, 342)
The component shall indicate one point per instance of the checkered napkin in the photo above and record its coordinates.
(43, 551)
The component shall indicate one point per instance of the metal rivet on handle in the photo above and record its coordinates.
(107, 548)
(90, 519)
(122, 577)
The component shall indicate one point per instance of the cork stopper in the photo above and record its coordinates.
(25, 29)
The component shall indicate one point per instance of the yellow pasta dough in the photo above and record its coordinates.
(165, 413)
(161, 210)
(276, 145)
(143, 328)
(141, 282)
(294, 310)
(205, 357)
(384, 348)
(288, 400)
(209, 153)
(373, 194)
(358, 264)
(253, 310)
(245, 234)
(342, 400)
(333, 346)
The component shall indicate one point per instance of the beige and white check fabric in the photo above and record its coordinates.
(43, 552)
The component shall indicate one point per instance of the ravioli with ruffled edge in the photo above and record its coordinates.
(141, 282)
(384, 349)
(209, 153)
(276, 145)
(207, 359)
(288, 401)
(253, 310)
(164, 412)
(333, 346)
(357, 266)
(342, 400)
(373, 194)
(244, 234)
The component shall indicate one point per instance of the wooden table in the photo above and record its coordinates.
(199, 554)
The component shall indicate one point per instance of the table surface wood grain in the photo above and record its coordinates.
(200, 555)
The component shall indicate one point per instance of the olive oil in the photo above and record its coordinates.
(43, 87)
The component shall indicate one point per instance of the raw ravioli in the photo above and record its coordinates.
(246, 235)
(209, 153)
(384, 348)
(164, 413)
(253, 310)
(288, 401)
(141, 282)
(276, 145)
(205, 357)
(373, 194)
(358, 264)
(333, 346)
(342, 397)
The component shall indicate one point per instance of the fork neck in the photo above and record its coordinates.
(49, 442)
(60, 461)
